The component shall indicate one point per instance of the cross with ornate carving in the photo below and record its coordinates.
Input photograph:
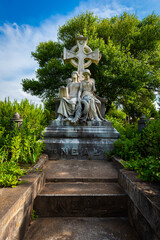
(84, 55)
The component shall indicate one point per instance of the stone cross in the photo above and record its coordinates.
(81, 56)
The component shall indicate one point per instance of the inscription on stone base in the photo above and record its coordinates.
(80, 142)
(75, 151)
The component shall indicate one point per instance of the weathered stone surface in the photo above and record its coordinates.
(139, 223)
(102, 109)
(80, 171)
(98, 193)
(87, 123)
(40, 164)
(146, 198)
(16, 204)
(81, 229)
(89, 141)
(81, 199)
(117, 162)
(82, 188)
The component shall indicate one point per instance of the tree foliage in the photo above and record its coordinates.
(129, 66)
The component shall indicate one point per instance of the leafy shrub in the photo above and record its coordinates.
(116, 113)
(35, 118)
(118, 119)
(19, 145)
(10, 172)
(118, 124)
(148, 168)
(150, 139)
(141, 150)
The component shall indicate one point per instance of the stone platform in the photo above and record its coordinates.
(90, 140)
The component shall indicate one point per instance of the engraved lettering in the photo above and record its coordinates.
(85, 151)
(96, 152)
(55, 151)
(64, 151)
(74, 151)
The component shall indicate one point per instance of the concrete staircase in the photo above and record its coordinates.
(81, 200)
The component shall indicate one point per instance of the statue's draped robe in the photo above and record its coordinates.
(88, 98)
(67, 107)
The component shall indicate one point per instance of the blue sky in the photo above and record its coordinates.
(23, 24)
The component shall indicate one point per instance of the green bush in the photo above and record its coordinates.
(147, 168)
(10, 172)
(20, 145)
(150, 139)
(34, 117)
(141, 150)
(118, 124)
(116, 113)
(118, 119)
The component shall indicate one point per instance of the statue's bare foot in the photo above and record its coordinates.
(60, 118)
(97, 119)
(73, 121)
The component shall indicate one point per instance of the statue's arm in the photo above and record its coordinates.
(93, 86)
(80, 91)
(68, 87)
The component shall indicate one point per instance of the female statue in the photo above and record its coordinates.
(70, 107)
(91, 103)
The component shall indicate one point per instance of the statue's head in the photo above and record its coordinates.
(86, 74)
(75, 76)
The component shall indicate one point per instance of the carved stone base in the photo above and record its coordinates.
(90, 140)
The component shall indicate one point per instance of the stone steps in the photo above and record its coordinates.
(80, 171)
(81, 229)
(81, 200)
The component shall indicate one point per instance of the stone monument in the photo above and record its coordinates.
(80, 130)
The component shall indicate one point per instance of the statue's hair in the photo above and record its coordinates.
(87, 71)
(76, 72)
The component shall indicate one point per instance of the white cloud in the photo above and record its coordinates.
(17, 42)
(16, 63)
(13, 90)
(103, 8)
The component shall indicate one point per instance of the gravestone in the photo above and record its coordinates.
(80, 130)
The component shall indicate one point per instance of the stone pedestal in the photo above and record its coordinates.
(91, 140)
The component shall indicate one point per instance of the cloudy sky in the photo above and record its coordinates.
(23, 24)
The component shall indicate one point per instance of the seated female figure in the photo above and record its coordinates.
(70, 107)
(88, 98)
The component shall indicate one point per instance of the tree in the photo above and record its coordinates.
(139, 103)
(130, 57)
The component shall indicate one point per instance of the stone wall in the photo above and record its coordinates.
(16, 204)
(143, 204)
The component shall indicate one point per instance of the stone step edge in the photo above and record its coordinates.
(82, 180)
(81, 195)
